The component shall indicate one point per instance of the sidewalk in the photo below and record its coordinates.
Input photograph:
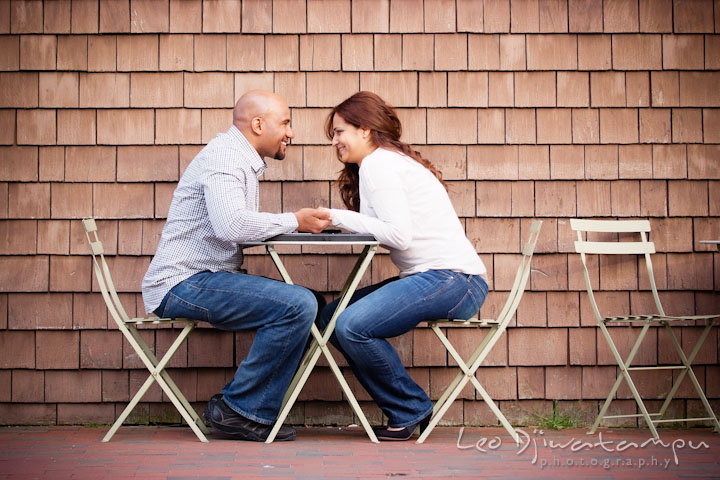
(323, 453)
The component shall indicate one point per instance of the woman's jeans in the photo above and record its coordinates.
(282, 314)
(389, 309)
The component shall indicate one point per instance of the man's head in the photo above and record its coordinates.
(264, 119)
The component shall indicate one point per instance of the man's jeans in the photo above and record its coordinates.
(387, 310)
(282, 314)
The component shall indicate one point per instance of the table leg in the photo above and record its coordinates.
(319, 345)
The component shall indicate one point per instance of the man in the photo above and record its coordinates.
(196, 270)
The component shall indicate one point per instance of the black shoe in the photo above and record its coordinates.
(211, 405)
(383, 433)
(226, 420)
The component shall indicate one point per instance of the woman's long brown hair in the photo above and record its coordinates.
(368, 110)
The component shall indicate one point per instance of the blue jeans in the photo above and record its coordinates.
(387, 310)
(283, 315)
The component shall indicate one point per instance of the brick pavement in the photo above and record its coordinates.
(327, 453)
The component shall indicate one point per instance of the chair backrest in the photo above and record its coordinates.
(102, 273)
(640, 246)
(521, 278)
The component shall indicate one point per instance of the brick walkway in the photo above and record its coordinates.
(171, 452)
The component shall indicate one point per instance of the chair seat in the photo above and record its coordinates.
(657, 318)
(158, 321)
(470, 322)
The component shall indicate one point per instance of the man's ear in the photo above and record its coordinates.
(257, 125)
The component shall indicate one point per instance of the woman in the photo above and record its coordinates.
(399, 197)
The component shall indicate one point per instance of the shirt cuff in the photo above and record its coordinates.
(336, 216)
(289, 220)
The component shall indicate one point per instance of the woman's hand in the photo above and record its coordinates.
(313, 220)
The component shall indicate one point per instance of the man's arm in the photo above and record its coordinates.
(231, 221)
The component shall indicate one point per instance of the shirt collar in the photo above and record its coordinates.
(257, 163)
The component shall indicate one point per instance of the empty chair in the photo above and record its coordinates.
(638, 246)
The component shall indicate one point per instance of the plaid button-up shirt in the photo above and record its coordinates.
(214, 207)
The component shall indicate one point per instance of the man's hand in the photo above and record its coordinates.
(313, 220)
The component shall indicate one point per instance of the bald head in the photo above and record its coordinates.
(264, 119)
(255, 103)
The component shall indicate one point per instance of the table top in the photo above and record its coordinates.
(318, 239)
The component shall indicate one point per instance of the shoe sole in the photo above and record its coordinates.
(394, 439)
(249, 436)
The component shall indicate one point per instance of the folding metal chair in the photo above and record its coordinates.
(128, 327)
(641, 246)
(496, 329)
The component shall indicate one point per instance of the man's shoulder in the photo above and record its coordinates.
(222, 148)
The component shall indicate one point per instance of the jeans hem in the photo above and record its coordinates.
(413, 422)
(247, 415)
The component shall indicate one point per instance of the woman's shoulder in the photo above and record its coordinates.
(383, 158)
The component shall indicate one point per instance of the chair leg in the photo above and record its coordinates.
(180, 407)
(448, 346)
(442, 408)
(624, 374)
(467, 373)
(349, 394)
(606, 404)
(186, 405)
(687, 363)
(500, 416)
(178, 401)
(640, 403)
(158, 373)
(171, 384)
(458, 359)
(121, 419)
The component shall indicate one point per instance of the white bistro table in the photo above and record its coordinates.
(319, 344)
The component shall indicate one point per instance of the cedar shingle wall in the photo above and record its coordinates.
(532, 108)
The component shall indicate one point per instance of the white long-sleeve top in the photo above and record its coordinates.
(409, 212)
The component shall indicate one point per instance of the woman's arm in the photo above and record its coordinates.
(392, 227)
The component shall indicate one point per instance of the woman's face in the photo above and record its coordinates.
(352, 143)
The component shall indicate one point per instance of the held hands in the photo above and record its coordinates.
(313, 220)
